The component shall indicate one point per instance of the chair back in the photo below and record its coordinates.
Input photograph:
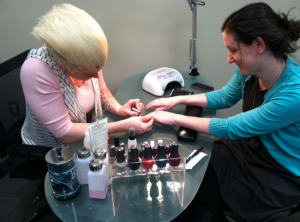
(12, 102)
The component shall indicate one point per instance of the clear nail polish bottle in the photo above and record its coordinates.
(120, 162)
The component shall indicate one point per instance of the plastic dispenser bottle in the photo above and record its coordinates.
(131, 140)
(161, 158)
(84, 156)
(97, 181)
(87, 141)
(174, 158)
(102, 155)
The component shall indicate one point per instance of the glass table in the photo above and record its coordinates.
(142, 198)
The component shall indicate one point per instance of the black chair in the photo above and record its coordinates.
(18, 160)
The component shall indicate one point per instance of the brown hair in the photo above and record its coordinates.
(259, 20)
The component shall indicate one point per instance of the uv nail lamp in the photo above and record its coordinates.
(156, 81)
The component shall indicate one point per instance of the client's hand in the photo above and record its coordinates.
(141, 124)
(126, 111)
(164, 117)
(163, 103)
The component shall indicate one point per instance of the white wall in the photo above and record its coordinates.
(142, 34)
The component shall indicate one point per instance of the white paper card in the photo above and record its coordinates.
(99, 134)
(194, 160)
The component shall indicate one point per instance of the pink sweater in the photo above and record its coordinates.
(45, 98)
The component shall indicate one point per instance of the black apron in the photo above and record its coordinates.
(251, 182)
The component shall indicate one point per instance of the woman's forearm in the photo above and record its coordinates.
(195, 123)
(108, 101)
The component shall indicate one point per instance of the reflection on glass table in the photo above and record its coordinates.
(150, 197)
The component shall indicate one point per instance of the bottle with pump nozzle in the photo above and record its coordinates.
(87, 141)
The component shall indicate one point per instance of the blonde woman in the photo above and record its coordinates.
(63, 81)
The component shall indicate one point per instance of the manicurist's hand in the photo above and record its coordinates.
(141, 124)
(126, 111)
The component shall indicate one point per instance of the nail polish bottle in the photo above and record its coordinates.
(84, 156)
(161, 157)
(112, 154)
(134, 161)
(174, 158)
(122, 144)
(120, 162)
(148, 159)
(116, 141)
(97, 181)
(141, 151)
(154, 151)
(168, 149)
(131, 138)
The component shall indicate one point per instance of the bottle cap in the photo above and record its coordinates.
(168, 149)
(161, 153)
(154, 151)
(142, 149)
(120, 155)
(84, 152)
(131, 133)
(100, 153)
(95, 165)
(174, 152)
(134, 154)
(148, 152)
(122, 144)
(116, 141)
(112, 151)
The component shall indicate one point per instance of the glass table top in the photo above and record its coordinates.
(141, 198)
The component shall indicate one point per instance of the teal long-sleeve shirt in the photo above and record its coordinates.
(276, 121)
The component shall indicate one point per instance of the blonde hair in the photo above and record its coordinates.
(73, 37)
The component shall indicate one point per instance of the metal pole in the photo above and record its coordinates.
(193, 57)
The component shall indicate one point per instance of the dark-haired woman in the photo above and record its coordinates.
(255, 168)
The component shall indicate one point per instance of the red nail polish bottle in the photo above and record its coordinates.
(174, 158)
(148, 159)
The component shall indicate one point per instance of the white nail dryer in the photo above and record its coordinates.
(156, 81)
